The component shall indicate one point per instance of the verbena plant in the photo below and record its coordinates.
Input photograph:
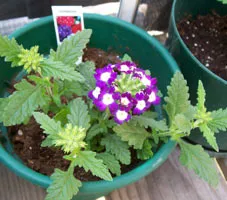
(112, 109)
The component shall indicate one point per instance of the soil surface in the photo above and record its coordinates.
(206, 37)
(27, 139)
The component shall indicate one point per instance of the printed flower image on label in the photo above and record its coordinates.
(68, 20)
(68, 25)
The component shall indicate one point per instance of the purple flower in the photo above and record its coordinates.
(126, 100)
(64, 31)
(152, 96)
(141, 103)
(105, 99)
(106, 74)
(124, 90)
(121, 116)
(126, 67)
(100, 86)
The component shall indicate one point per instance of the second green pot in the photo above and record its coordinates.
(193, 69)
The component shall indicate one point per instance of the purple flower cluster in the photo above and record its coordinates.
(64, 31)
(125, 90)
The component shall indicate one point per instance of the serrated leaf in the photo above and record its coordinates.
(87, 69)
(177, 100)
(209, 135)
(146, 152)
(64, 185)
(126, 57)
(219, 120)
(10, 50)
(134, 135)
(73, 87)
(40, 81)
(3, 105)
(88, 160)
(79, 113)
(95, 130)
(182, 123)
(146, 121)
(195, 158)
(50, 126)
(71, 48)
(190, 113)
(23, 102)
(61, 116)
(59, 70)
(70, 139)
(110, 161)
(117, 147)
(201, 98)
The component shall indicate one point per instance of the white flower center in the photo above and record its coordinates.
(107, 99)
(141, 105)
(124, 68)
(105, 76)
(125, 101)
(96, 92)
(146, 81)
(152, 97)
(121, 115)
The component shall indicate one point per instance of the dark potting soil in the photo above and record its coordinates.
(27, 139)
(206, 37)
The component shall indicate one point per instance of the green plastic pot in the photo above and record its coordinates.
(121, 37)
(193, 69)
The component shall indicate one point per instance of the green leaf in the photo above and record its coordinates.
(134, 135)
(10, 50)
(146, 121)
(182, 123)
(73, 87)
(177, 100)
(72, 48)
(126, 57)
(60, 70)
(88, 160)
(50, 126)
(79, 114)
(70, 139)
(195, 158)
(219, 120)
(87, 69)
(201, 98)
(23, 102)
(190, 113)
(110, 161)
(209, 135)
(95, 130)
(146, 152)
(61, 116)
(117, 147)
(40, 81)
(64, 185)
(3, 105)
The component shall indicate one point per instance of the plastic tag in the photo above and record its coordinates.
(68, 20)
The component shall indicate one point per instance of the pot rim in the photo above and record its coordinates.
(173, 19)
(92, 186)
